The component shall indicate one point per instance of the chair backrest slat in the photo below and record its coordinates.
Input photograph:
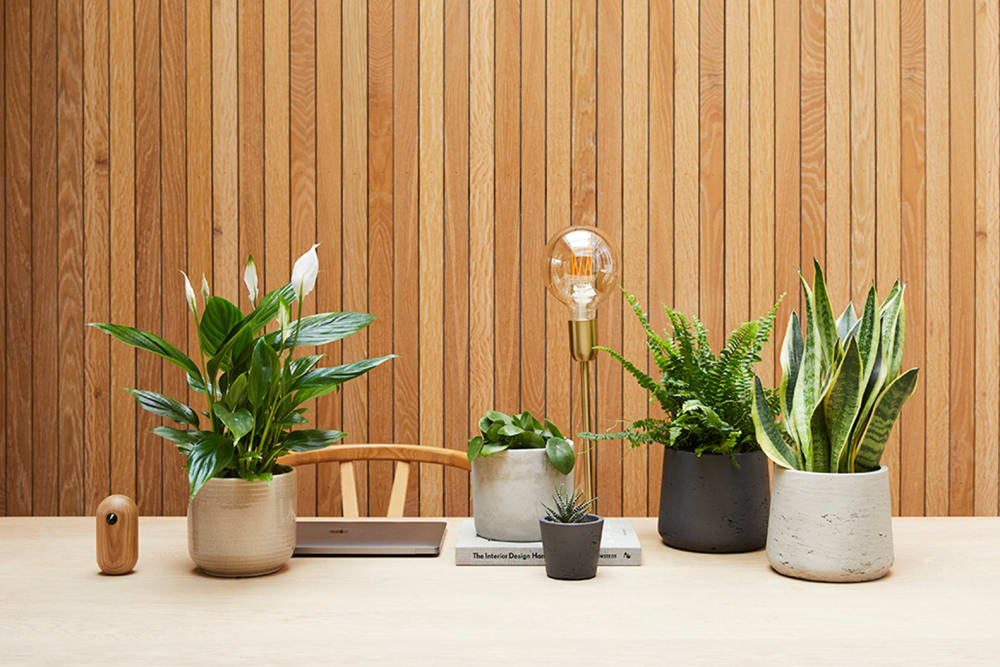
(349, 490)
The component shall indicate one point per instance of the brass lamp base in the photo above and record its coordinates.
(582, 338)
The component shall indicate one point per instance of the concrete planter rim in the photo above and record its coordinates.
(590, 520)
(882, 469)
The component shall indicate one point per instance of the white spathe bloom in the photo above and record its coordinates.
(189, 294)
(250, 279)
(205, 290)
(284, 315)
(304, 272)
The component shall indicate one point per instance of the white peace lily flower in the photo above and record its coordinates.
(283, 316)
(304, 272)
(189, 294)
(250, 279)
(205, 290)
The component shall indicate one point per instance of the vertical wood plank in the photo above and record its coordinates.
(712, 169)
(787, 119)
(225, 151)
(938, 341)
(355, 219)
(987, 236)
(737, 165)
(173, 200)
(507, 256)
(17, 229)
(302, 167)
(812, 88)
(148, 244)
(635, 233)
(457, 427)
(431, 248)
(608, 373)
(70, 254)
(198, 32)
(380, 243)
(533, 237)
(887, 144)
(96, 213)
(328, 232)
(963, 220)
(250, 89)
(838, 152)
(558, 206)
(122, 265)
(686, 160)
(3, 273)
(584, 127)
(481, 196)
(913, 211)
(661, 197)
(863, 150)
(406, 208)
(44, 246)
(277, 177)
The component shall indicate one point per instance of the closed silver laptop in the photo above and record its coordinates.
(369, 538)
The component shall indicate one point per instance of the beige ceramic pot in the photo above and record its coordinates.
(243, 529)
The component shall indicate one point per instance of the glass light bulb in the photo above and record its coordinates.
(580, 269)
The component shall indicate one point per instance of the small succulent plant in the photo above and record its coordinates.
(569, 507)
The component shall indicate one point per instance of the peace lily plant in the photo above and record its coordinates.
(254, 386)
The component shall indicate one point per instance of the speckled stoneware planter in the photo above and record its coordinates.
(829, 526)
(508, 489)
(707, 504)
(242, 529)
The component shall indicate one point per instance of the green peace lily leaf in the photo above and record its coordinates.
(207, 458)
(264, 365)
(321, 377)
(239, 422)
(217, 321)
(164, 406)
(561, 455)
(236, 392)
(323, 328)
(306, 440)
(149, 342)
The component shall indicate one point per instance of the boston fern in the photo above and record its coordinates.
(706, 398)
(253, 386)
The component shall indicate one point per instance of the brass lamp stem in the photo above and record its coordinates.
(582, 338)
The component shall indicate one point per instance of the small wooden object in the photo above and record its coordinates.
(117, 535)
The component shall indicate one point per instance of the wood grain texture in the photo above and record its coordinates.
(987, 253)
(432, 148)
(913, 270)
(70, 357)
(431, 248)
(962, 246)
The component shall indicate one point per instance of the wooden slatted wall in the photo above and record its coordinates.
(431, 148)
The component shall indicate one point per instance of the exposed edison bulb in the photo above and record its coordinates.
(580, 269)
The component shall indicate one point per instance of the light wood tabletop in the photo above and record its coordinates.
(939, 605)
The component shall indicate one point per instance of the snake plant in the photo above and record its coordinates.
(841, 388)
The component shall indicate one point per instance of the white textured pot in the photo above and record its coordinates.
(830, 526)
(508, 489)
(242, 529)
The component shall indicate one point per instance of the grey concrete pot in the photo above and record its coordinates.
(830, 526)
(508, 489)
(242, 529)
(707, 504)
(571, 549)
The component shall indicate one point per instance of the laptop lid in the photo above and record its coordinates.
(369, 538)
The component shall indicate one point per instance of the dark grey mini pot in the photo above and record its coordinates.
(709, 505)
(571, 549)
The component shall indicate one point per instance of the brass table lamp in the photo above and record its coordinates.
(580, 271)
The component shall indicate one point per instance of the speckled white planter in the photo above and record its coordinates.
(508, 490)
(830, 527)
(242, 529)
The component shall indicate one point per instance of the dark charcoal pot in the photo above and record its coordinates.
(707, 504)
(571, 549)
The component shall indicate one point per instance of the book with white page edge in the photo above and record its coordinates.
(619, 546)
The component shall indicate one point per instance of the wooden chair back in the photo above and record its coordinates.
(403, 455)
